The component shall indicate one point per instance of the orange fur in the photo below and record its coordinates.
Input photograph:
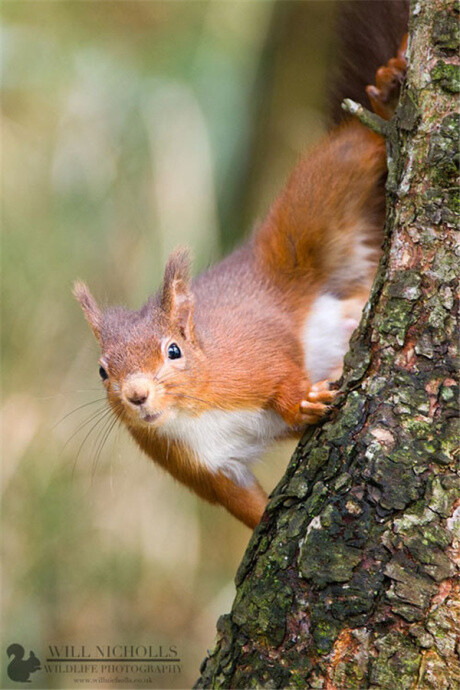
(238, 327)
(330, 198)
(245, 504)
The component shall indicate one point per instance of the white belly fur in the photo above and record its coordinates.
(326, 335)
(230, 441)
(226, 441)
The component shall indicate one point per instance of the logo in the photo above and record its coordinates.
(96, 664)
(19, 669)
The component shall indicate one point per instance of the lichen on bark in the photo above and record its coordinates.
(350, 579)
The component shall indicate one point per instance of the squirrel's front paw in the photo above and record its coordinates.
(315, 406)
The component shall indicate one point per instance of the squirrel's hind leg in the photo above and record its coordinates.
(384, 94)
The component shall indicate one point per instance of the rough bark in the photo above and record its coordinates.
(350, 579)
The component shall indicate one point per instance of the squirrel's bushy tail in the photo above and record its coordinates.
(326, 226)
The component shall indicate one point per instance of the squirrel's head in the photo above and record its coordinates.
(151, 358)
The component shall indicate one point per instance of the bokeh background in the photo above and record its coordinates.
(127, 128)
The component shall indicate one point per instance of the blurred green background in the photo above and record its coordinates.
(127, 128)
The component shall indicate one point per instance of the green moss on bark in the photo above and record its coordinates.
(349, 581)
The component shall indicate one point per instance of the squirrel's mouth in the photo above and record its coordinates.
(151, 417)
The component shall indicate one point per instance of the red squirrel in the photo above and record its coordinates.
(212, 369)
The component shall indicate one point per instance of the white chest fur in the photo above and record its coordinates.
(226, 441)
(326, 334)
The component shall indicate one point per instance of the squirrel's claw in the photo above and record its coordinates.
(384, 94)
(321, 392)
(315, 406)
(312, 413)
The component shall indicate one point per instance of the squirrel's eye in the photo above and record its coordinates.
(103, 374)
(174, 351)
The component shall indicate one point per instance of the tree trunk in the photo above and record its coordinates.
(349, 581)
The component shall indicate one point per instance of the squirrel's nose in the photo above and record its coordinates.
(137, 390)
(138, 398)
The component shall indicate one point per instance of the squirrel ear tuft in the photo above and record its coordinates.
(90, 307)
(178, 268)
(176, 297)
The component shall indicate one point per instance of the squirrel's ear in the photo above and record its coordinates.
(176, 297)
(90, 308)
